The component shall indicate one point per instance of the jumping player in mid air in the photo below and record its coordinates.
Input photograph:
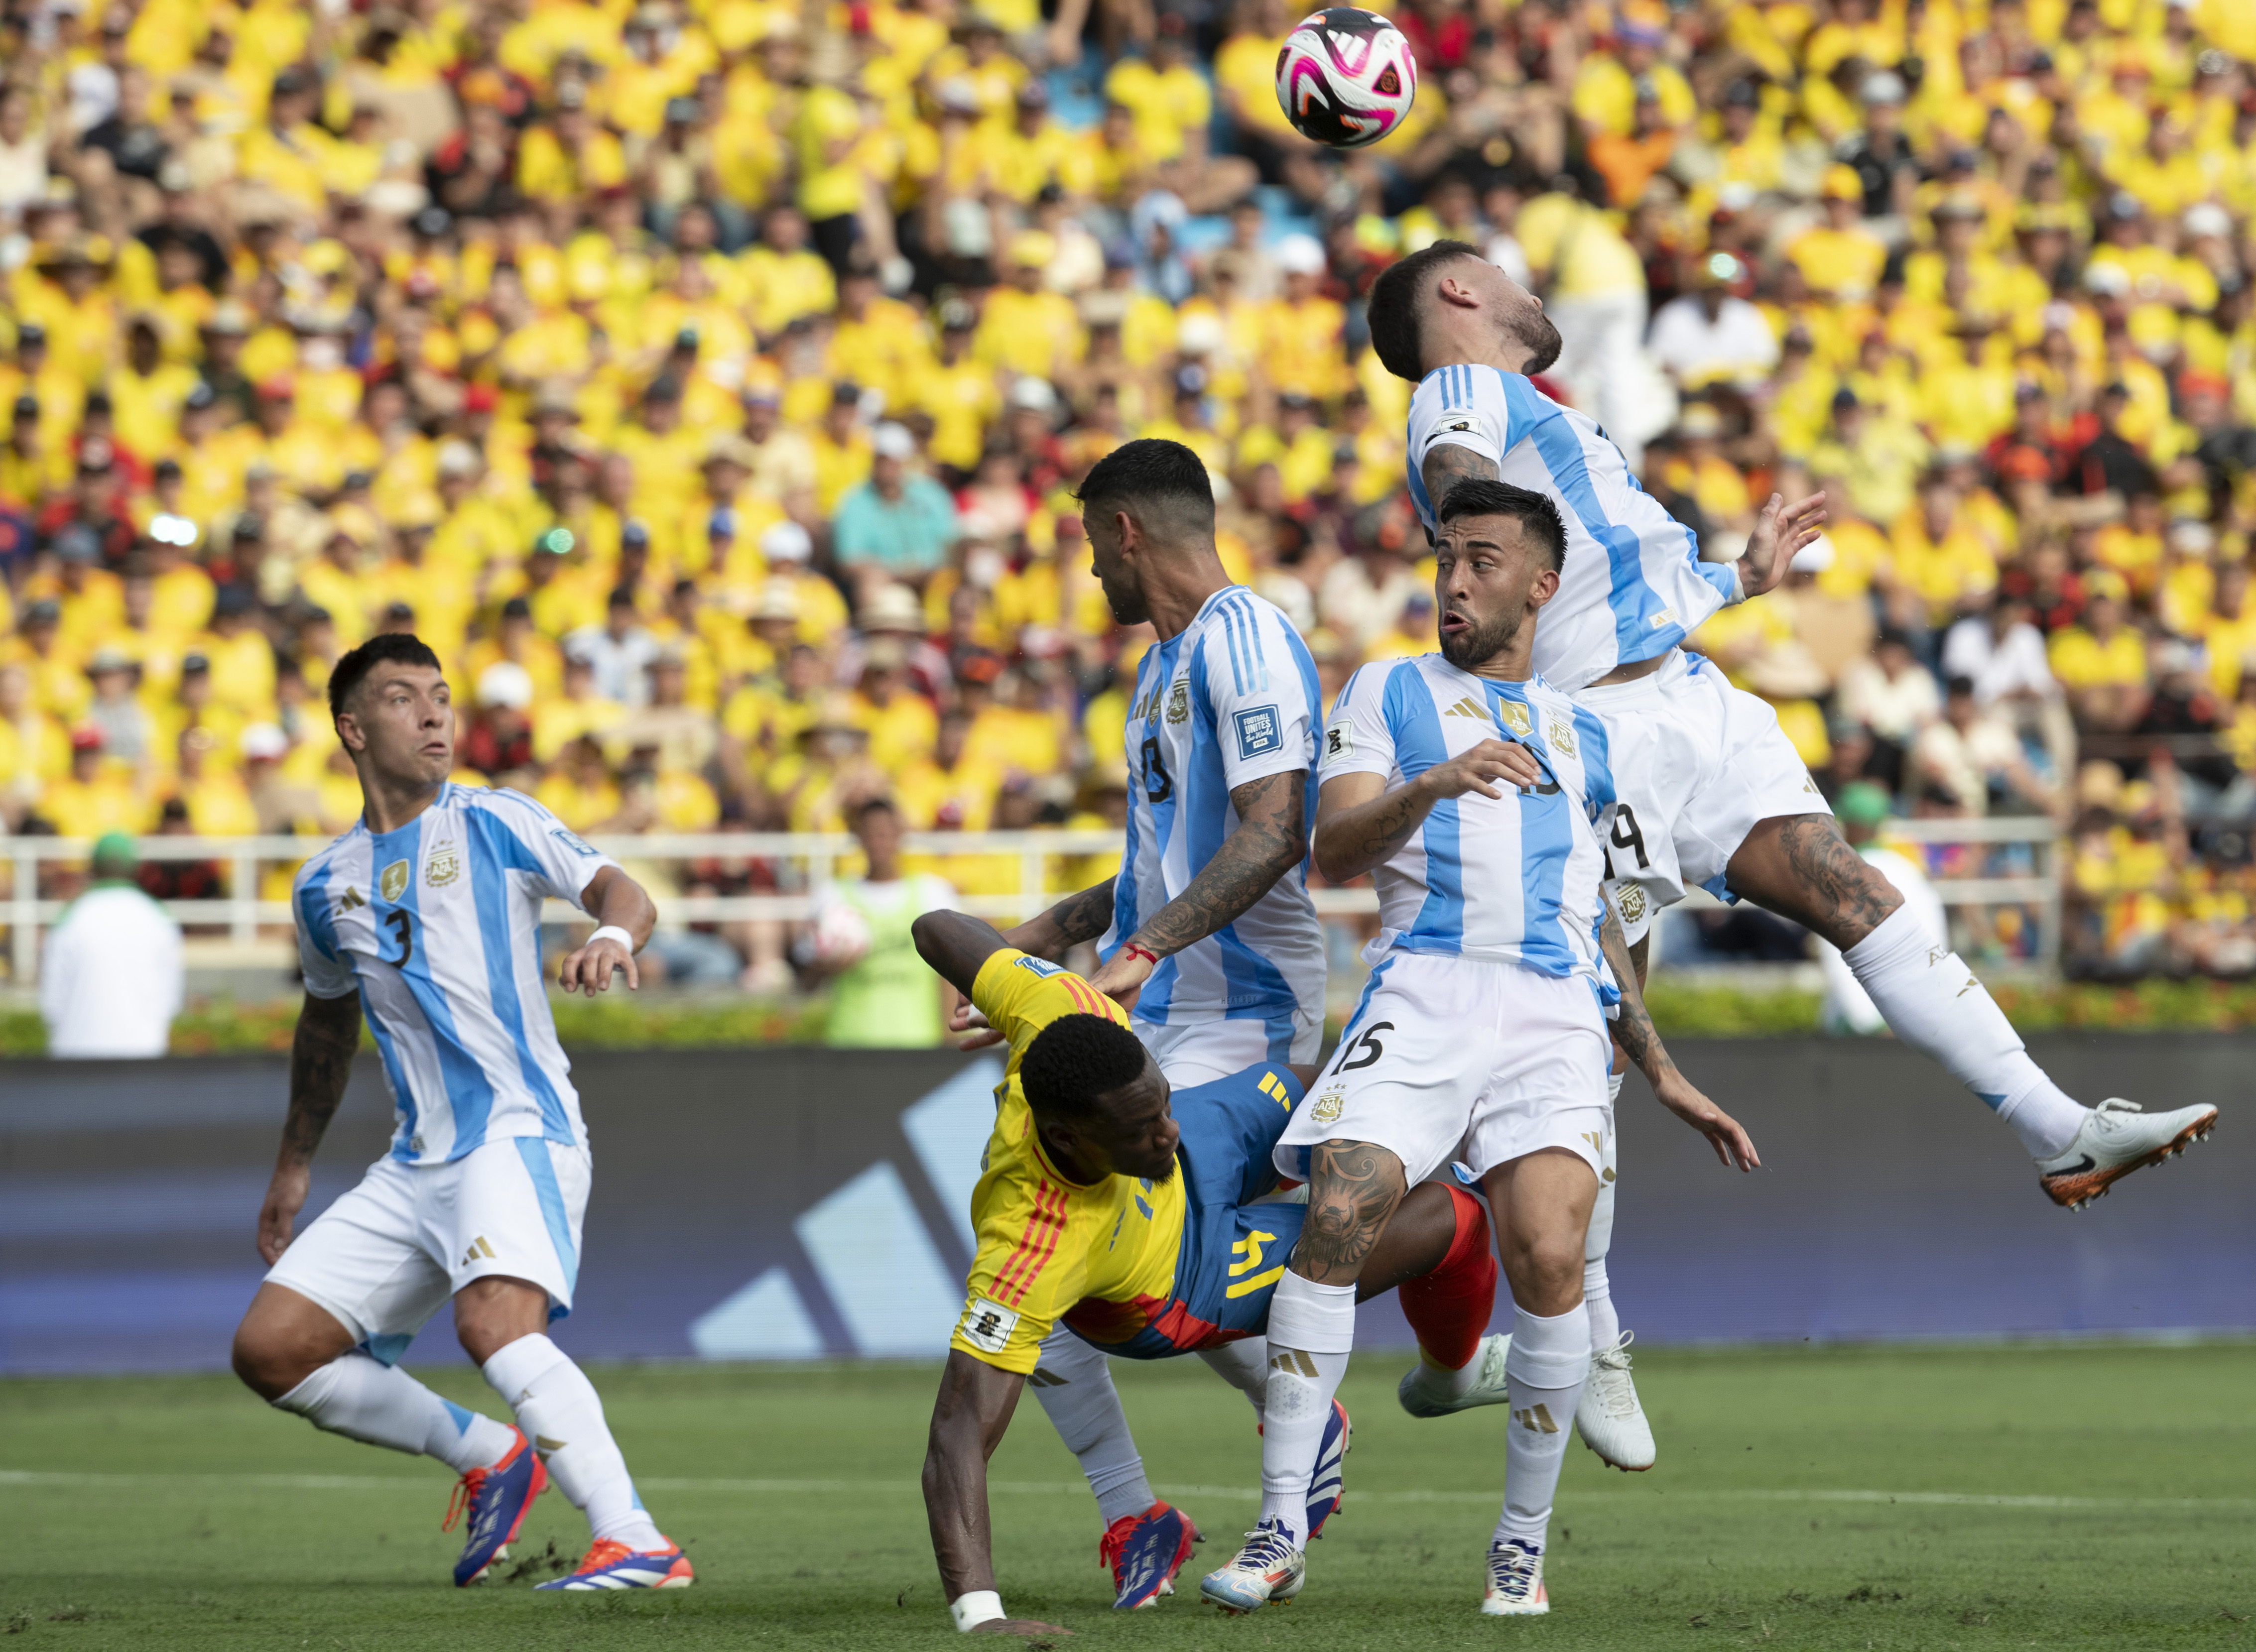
(1711, 791)
(426, 917)
(1148, 1230)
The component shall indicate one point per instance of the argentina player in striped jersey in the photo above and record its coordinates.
(1208, 933)
(1712, 792)
(1473, 792)
(426, 917)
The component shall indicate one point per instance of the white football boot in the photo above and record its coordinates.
(1424, 1391)
(1515, 1580)
(1267, 1570)
(1608, 1415)
(2116, 1138)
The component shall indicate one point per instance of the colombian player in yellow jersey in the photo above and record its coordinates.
(1148, 1236)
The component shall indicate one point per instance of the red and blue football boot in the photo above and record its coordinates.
(495, 1500)
(1145, 1552)
(1329, 1484)
(612, 1564)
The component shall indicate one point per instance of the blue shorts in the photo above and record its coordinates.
(1234, 1250)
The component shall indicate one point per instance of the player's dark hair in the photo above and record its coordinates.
(1538, 517)
(1075, 1059)
(1137, 476)
(354, 668)
(1397, 309)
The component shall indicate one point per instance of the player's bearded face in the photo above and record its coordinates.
(1491, 631)
(1122, 592)
(1522, 321)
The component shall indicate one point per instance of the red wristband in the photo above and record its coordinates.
(1131, 949)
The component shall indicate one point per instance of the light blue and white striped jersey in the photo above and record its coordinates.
(1634, 586)
(1231, 698)
(1514, 878)
(438, 926)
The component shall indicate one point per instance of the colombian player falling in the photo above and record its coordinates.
(1148, 1222)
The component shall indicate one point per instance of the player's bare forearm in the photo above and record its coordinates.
(620, 902)
(1634, 1030)
(1356, 831)
(1079, 918)
(1447, 464)
(320, 1062)
(1272, 838)
(956, 945)
(968, 1420)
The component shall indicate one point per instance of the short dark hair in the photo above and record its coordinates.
(1075, 1059)
(1397, 304)
(1538, 517)
(354, 668)
(1150, 471)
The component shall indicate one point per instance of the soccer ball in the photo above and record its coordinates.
(841, 936)
(1346, 77)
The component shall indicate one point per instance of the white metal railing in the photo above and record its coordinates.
(805, 860)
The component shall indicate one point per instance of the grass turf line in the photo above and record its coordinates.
(2106, 1504)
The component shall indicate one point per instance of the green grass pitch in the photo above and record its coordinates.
(2089, 1496)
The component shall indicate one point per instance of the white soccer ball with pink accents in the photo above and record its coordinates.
(1346, 77)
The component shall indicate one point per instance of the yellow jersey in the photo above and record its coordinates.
(1047, 1244)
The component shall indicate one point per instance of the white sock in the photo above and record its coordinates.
(1597, 1289)
(1073, 1379)
(364, 1399)
(1934, 1003)
(1549, 1361)
(1244, 1366)
(558, 1409)
(1311, 1332)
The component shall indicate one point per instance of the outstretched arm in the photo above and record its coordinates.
(1780, 531)
(967, 1419)
(320, 1062)
(1634, 1032)
(956, 945)
(1271, 839)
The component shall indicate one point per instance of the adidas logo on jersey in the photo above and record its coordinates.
(1467, 708)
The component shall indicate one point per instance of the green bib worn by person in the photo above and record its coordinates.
(883, 996)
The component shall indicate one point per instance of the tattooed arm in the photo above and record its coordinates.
(1447, 464)
(1272, 837)
(1359, 825)
(1633, 1031)
(320, 1062)
(1073, 920)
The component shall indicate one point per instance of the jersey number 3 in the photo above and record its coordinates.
(403, 930)
(1157, 787)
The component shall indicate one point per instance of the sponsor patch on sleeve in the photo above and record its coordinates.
(1260, 731)
(1041, 966)
(1339, 740)
(571, 840)
(987, 1325)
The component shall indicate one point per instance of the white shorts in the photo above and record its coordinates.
(1201, 1051)
(1459, 1058)
(393, 1252)
(1697, 765)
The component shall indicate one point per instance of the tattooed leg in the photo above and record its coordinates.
(1353, 1188)
(1799, 867)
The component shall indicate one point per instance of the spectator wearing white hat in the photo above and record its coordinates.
(1710, 334)
(899, 523)
(788, 550)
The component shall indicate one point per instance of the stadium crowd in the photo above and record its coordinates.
(706, 381)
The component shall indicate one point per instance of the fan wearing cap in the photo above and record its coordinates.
(1840, 258)
(111, 979)
(1300, 327)
(899, 523)
(1712, 335)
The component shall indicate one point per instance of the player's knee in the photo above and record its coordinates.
(270, 1363)
(1547, 1274)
